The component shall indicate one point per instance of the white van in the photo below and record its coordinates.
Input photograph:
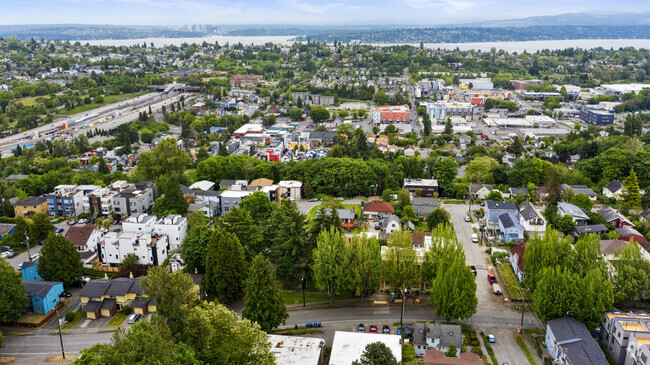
(496, 289)
(35, 257)
(475, 238)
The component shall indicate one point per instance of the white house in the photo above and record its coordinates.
(348, 347)
(436, 336)
(391, 224)
(480, 191)
(290, 189)
(578, 216)
(531, 218)
(614, 189)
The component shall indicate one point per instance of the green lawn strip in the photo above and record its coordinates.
(296, 297)
(488, 347)
(453, 201)
(515, 290)
(524, 348)
(78, 316)
(117, 320)
(109, 99)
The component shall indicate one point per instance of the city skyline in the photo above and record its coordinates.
(295, 12)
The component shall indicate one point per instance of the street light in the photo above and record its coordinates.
(401, 317)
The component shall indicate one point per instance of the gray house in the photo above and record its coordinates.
(424, 206)
(437, 336)
(570, 343)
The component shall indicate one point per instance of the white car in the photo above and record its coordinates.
(474, 238)
(467, 218)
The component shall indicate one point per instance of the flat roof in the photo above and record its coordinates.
(348, 346)
(295, 350)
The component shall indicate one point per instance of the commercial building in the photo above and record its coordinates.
(478, 83)
(593, 116)
(295, 350)
(425, 188)
(30, 206)
(391, 114)
(348, 347)
(522, 84)
(439, 111)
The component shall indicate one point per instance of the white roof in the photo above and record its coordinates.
(204, 185)
(235, 193)
(290, 184)
(294, 350)
(348, 346)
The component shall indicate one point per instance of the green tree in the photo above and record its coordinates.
(225, 267)
(380, 98)
(633, 125)
(436, 217)
(453, 291)
(103, 168)
(516, 147)
(308, 190)
(164, 160)
(426, 124)
(289, 245)
(257, 205)
(596, 298)
(399, 265)
(408, 353)
(564, 224)
(403, 200)
(130, 262)
(494, 195)
(240, 222)
(364, 265)
(554, 186)
(444, 249)
(582, 201)
(195, 249)
(451, 351)
(376, 353)
(13, 299)
(264, 303)
(557, 293)
(329, 265)
(173, 292)
(545, 251)
(631, 196)
(480, 170)
(449, 128)
(270, 120)
(173, 202)
(319, 114)
(409, 215)
(40, 228)
(632, 277)
(295, 113)
(59, 260)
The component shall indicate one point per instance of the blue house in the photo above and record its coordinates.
(6, 228)
(43, 296)
(30, 271)
(494, 209)
(510, 228)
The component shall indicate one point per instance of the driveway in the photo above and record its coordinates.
(506, 349)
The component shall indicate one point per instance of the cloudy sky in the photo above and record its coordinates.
(406, 12)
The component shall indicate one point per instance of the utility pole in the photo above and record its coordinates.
(304, 286)
(522, 314)
(29, 255)
(401, 316)
(60, 336)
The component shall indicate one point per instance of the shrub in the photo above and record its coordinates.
(69, 317)
(126, 310)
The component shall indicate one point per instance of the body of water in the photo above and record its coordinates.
(529, 46)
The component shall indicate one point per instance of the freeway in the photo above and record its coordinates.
(105, 117)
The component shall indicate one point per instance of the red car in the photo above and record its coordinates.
(492, 279)
(373, 329)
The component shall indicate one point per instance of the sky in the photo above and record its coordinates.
(316, 12)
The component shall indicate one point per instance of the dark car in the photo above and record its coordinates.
(60, 230)
(65, 294)
(361, 328)
(408, 331)
(385, 329)
(12, 254)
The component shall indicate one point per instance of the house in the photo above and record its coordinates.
(629, 233)
(141, 305)
(117, 293)
(617, 330)
(150, 248)
(512, 192)
(613, 189)
(570, 343)
(638, 349)
(84, 238)
(596, 229)
(436, 336)
(323, 138)
(290, 189)
(391, 224)
(30, 206)
(348, 347)
(580, 189)
(261, 182)
(496, 208)
(425, 188)
(43, 296)
(480, 191)
(424, 206)
(578, 216)
(532, 220)
(435, 357)
(510, 228)
(611, 249)
(517, 260)
(348, 218)
(615, 218)
(376, 209)
(29, 270)
(5, 229)
(297, 350)
(207, 208)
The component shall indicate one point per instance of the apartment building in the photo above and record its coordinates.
(425, 188)
(122, 198)
(618, 328)
(173, 226)
(69, 199)
(638, 350)
(441, 110)
(151, 249)
(391, 114)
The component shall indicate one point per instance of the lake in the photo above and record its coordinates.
(530, 46)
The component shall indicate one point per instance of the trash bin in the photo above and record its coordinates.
(392, 297)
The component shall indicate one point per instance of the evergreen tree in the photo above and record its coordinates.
(240, 222)
(309, 191)
(436, 217)
(289, 245)
(59, 260)
(330, 258)
(195, 249)
(449, 128)
(225, 267)
(102, 167)
(633, 125)
(173, 202)
(364, 265)
(426, 124)
(264, 303)
(631, 196)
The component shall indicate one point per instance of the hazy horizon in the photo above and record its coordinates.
(415, 13)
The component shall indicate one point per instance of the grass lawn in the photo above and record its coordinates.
(453, 201)
(521, 344)
(28, 101)
(516, 292)
(314, 210)
(78, 316)
(117, 320)
(108, 99)
(422, 227)
(296, 297)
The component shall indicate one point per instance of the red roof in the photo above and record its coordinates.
(379, 206)
(519, 250)
(80, 235)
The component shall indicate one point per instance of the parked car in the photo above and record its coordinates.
(467, 218)
(373, 329)
(133, 318)
(59, 230)
(474, 238)
(361, 328)
(312, 200)
(496, 289)
(35, 257)
(65, 294)
(5, 254)
(340, 198)
(491, 339)
(11, 254)
(72, 222)
(473, 268)
(491, 278)
(385, 330)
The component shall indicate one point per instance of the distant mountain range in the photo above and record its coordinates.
(622, 19)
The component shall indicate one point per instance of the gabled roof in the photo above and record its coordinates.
(506, 204)
(610, 215)
(203, 185)
(261, 182)
(515, 190)
(591, 228)
(614, 186)
(520, 251)
(628, 231)
(115, 287)
(346, 213)
(92, 306)
(391, 218)
(447, 333)
(576, 341)
(612, 247)
(79, 235)
(580, 189)
(418, 237)
(37, 287)
(139, 302)
(32, 201)
(108, 304)
(572, 210)
(509, 220)
(379, 206)
(473, 188)
(5, 228)
(527, 211)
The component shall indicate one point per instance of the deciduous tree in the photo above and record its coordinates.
(59, 260)
(364, 264)
(13, 299)
(329, 267)
(376, 353)
(453, 291)
(399, 265)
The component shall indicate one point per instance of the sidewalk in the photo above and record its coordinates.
(378, 299)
